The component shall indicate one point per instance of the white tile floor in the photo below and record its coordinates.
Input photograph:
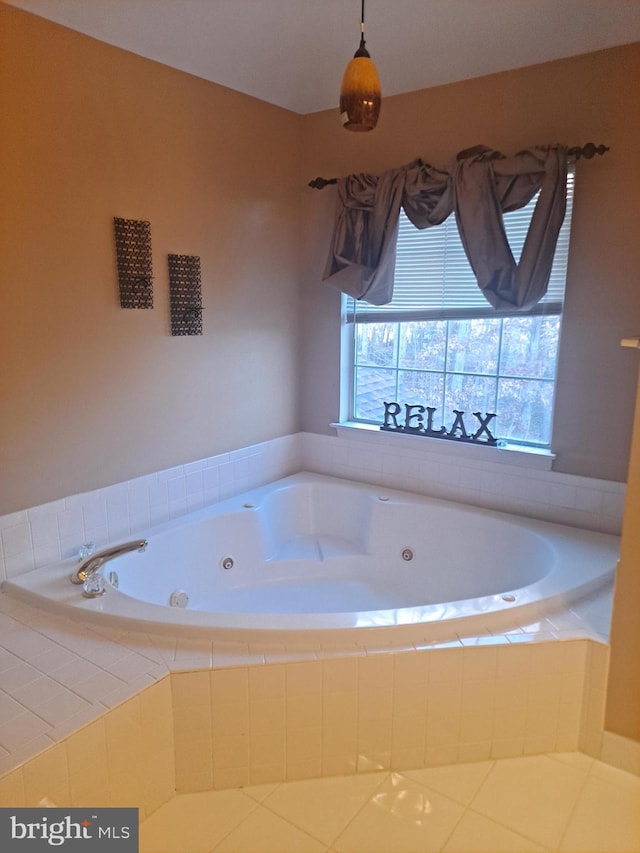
(563, 802)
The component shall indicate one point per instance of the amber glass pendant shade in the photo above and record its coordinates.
(360, 90)
(360, 93)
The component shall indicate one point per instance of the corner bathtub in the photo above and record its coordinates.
(336, 561)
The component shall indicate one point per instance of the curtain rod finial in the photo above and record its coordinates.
(321, 183)
(587, 151)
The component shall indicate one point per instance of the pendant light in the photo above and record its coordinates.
(360, 91)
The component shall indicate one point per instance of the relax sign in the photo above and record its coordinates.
(412, 420)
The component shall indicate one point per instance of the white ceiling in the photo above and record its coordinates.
(292, 52)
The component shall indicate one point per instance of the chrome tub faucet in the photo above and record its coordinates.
(87, 572)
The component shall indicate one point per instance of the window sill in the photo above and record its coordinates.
(510, 454)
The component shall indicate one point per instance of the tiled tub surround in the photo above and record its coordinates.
(514, 481)
(71, 693)
(56, 675)
(400, 710)
(324, 561)
(124, 756)
(54, 531)
(96, 717)
(106, 718)
(484, 477)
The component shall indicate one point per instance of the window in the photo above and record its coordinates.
(439, 343)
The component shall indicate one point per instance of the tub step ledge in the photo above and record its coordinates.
(317, 548)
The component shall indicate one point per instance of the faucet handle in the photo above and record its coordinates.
(94, 585)
(86, 550)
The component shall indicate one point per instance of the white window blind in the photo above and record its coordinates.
(433, 279)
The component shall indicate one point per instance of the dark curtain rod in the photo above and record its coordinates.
(577, 152)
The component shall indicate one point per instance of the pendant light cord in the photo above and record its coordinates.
(362, 41)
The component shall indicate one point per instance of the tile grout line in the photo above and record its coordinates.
(457, 822)
(511, 829)
(556, 848)
(574, 806)
(387, 776)
(467, 806)
(255, 803)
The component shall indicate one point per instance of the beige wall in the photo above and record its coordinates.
(623, 695)
(91, 394)
(589, 98)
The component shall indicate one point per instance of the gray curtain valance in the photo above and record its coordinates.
(478, 185)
